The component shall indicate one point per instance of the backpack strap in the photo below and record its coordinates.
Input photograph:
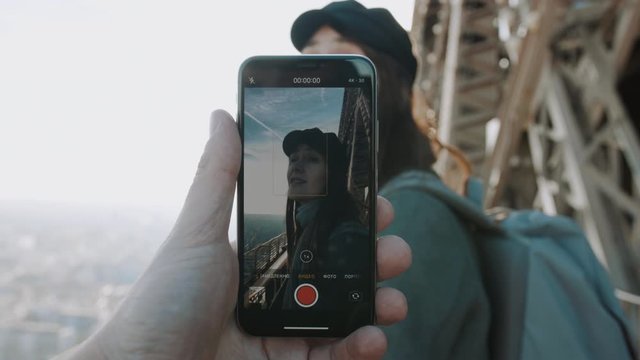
(430, 183)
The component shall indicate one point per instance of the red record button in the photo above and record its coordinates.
(306, 295)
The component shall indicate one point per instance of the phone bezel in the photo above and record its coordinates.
(340, 323)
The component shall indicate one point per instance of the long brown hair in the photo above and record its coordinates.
(402, 145)
(336, 207)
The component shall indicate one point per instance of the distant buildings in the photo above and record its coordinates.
(64, 270)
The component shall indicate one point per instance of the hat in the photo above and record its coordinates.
(325, 143)
(375, 27)
(315, 138)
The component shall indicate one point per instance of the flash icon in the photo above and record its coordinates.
(251, 80)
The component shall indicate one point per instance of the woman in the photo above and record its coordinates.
(448, 307)
(322, 219)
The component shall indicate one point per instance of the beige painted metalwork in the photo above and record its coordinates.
(526, 89)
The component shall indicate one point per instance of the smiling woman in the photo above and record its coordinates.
(307, 174)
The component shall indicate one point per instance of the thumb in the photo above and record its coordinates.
(206, 212)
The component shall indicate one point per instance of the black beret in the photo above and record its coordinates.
(315, 138)
(327, 144)
(374, 27)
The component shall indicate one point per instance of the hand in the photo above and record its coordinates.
(182, 307)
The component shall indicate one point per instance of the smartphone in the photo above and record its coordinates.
(307, 195)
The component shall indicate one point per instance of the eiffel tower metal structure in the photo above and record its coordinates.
(526, 89)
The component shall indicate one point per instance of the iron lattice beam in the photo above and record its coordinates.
(546, 70)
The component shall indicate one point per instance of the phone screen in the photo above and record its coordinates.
(307, 192)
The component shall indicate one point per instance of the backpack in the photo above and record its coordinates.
(550, 296)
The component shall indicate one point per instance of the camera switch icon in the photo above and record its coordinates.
(355, 296)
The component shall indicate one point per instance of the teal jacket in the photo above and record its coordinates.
(551, 297)
(449, 310)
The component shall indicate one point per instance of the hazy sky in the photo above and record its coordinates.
(108, 100)
(270, 114)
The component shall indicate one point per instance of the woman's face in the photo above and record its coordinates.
(328, 41)
(307, 174)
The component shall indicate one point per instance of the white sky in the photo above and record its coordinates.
(108, 101)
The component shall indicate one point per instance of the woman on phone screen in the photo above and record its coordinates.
(324, 227)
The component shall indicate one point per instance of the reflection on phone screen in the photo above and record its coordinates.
(306, 196)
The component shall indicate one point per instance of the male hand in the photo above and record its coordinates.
(182, 307)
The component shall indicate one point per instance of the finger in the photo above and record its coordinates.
(393, 256)
(207, 209)
(384, 213)
(366, 343)
(391, 306)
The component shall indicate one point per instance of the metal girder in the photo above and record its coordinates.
(590, 197)
(585, 153)
(459, 51)
(565, 143)
(533, 32)
(478, 82)
(626, 31)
